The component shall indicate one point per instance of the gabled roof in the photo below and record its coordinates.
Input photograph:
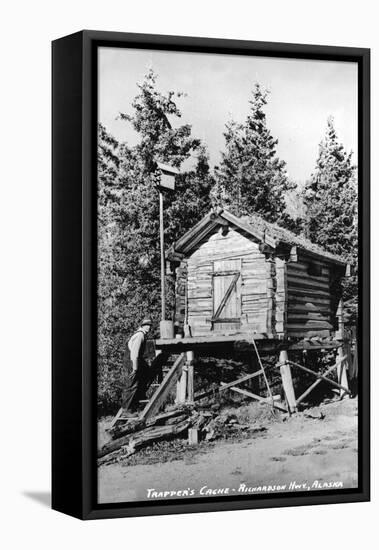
(269, 235)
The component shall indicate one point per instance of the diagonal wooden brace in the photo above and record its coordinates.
(317, 375)
(230, 384)
(266, 400)
(313, 386)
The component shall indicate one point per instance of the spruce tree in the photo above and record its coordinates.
(191, 200)
(108, 162)
(251, 178)
(130, 246)
(332, 204)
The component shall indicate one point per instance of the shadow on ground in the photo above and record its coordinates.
(42, 497)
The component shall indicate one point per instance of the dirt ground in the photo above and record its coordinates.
(304, 452)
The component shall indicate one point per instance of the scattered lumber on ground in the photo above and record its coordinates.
(136, 434)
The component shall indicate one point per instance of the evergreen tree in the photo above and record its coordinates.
(332, 202)
(191, 200)
(108, 163)
(130, 246)
(251, 177)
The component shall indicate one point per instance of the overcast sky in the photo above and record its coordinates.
(303, 95)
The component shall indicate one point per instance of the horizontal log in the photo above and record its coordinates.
(224, 273)
(254, 290)
(293, 269)
(250, 280)
(302, 266)
(205, 294)
(254, 269)
(163, 417)
(304, 308)
(199, 301)
(314, 294)
(294, 299)
(299, 319)
(199, 267)
(308, 324)
(307, 292)
(304, 283)
(141, 439)
(130, 426)
(254, 298)
(293, 279)
(307, 333)
(193, 286)
(193, 314)
(203, 277)
(225, 320)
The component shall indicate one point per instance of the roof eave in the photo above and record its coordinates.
(323, 257)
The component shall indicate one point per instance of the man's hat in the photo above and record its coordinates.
(146, 321)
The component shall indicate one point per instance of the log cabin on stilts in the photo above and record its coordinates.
(241, 279)
(241, 282)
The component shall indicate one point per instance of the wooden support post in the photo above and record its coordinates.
(285, 371)
(193, 436)
(181, 386)
(341, 327)
(190, 375)
(342, 372)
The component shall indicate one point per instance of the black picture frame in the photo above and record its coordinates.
(74, 89)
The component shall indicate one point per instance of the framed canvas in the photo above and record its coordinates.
(210, 274)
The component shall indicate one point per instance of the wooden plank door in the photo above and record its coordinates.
(226, 296)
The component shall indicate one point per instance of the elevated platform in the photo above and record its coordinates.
(265, 343)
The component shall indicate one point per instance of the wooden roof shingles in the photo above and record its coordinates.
(254, 226)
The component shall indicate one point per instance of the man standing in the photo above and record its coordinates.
(138, 370)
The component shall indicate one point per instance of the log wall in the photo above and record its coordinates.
(309, 309)
(199, 268)
(276, 297)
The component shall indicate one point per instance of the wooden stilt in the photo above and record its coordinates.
(285, 371)
(193, 436)
(181, 386)
(190, 386)
(190, 375)
(342, 372)
(341, 327)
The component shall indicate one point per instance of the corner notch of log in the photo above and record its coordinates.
(293, 254)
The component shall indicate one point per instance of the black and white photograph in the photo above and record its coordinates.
(227, 299)
(187, 246)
